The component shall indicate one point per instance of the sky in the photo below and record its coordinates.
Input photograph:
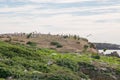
(96, 20)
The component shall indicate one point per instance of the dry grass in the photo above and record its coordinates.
(43, 41)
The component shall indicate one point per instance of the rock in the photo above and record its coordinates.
(10, 78)
(115, 54)
(50, 62)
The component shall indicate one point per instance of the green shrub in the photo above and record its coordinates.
(29, 35)
(87, 66)
(4, 73)
(104, 49)
(95, 56)
(84, 76)
(12, 51)
(57, 44)
(63, 75)
(54, 43)
(65, 36)
(68, 63)
(31, 43)
(44, 68)
(85, 48)
(75, 37)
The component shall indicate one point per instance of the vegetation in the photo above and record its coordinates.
(61, 43)
(85, 48)
(65, 36)
(54, 43)
(29, 35)
(92, 45)
(21, 62)
(31, 43)
(95, 56)
(104, 49)
(57, 44)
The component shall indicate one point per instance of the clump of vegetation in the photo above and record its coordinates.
(78, 42)
(95, 56)
(63, 75)
(68, 63)
(31, 43)
(85, 48)
(92, 45)
(21, 62)
(65, 36)
(54, 43)
(29, 35)
(84, 39)
(57, 44)
(75, 37)
(104, 49)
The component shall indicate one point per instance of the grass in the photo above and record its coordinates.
(23, 62)
(61, 43)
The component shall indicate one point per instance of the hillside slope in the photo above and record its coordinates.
(61, 43)
(19, 62)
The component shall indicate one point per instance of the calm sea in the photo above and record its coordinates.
(109, 51)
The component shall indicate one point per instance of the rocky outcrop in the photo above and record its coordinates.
(99, 73)
(115, 54)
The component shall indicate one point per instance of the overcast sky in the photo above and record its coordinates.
(99, 18)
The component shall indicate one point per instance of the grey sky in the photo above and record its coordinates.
(101, 18)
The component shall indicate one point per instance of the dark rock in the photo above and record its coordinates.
(115, 54)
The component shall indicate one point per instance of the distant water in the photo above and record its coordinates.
(109, 51)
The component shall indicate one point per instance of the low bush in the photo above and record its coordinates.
(31, 43)
(29, 35)
(78, 42)
(5, 72)
(57, 44)
(63, 75)
(54, 43)
(68, 63)
(65, 36)
(95, 56)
